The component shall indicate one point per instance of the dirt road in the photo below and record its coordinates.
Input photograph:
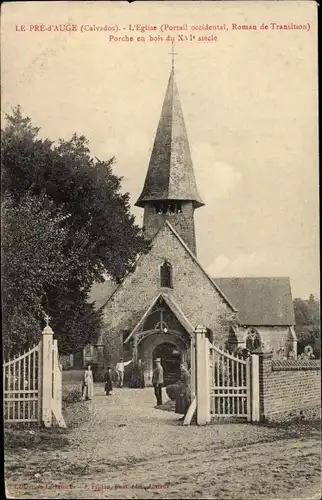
(128, 449)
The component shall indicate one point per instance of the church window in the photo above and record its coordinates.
(253, 340)
(158, 208)
(166, 275)
(168, 208)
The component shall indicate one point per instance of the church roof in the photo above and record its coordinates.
(260, 301)
(170, 173)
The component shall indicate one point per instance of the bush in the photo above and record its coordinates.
(73, 396)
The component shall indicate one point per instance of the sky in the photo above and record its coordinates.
(250, 105)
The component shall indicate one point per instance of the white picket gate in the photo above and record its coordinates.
(21, 393)
(225, 386)
(32, 385)
(229, 384)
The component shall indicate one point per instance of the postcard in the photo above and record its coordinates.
(160, 251)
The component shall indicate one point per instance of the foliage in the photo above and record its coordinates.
(32, 247)
(307, 316)
(307, 312)
(72, 396)
(66, 225)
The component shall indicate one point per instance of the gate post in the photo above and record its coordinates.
(193, 365)
(46, 375)
(260, 363)
(249, 389)
(255, 406)
(202, 376)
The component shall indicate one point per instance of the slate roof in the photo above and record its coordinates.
(260, 301)
(170, 173)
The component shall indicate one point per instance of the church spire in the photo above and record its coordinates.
(170, 173)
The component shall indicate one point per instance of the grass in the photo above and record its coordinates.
(42, 439)
(18, 438)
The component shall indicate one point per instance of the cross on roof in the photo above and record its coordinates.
(47, 318)
(173, 53)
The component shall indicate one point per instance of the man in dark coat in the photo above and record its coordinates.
(157, 381)
(183, 399)
(108, 381)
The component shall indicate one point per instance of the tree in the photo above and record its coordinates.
(59, 194)
(33, 260)
(307, 319)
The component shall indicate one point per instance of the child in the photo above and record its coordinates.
(108, 381)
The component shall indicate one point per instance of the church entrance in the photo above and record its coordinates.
(170, 360)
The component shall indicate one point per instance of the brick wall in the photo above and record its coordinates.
(288, 388)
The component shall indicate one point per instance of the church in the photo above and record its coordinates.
(155, 309)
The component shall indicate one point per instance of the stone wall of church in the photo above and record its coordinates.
(192, 291)
(182, 222)
(277, 337)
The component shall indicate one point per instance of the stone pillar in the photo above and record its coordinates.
(193, 364)
(202, 376)
(266, 358)
(261, 366)
(294, 341)
(255, 412)
(135, 349)
(46, 376)
(148, 371)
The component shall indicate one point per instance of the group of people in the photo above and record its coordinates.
(181, 392)
(137, 378)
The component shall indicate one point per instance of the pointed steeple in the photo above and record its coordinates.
(170, 174)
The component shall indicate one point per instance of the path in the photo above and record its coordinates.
(128, 449)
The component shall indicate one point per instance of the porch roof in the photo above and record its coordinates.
(172, 306)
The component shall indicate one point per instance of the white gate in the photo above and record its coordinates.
(229, 384)
(32, 385)
(222, 382)
(20, 387)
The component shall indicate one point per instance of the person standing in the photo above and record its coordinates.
(88, 391)
(120, 371)
(183, 399)
(108, 381)
(137, 379)
(157, 382)
(141, 381)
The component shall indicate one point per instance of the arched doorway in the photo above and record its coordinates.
(170, 357)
